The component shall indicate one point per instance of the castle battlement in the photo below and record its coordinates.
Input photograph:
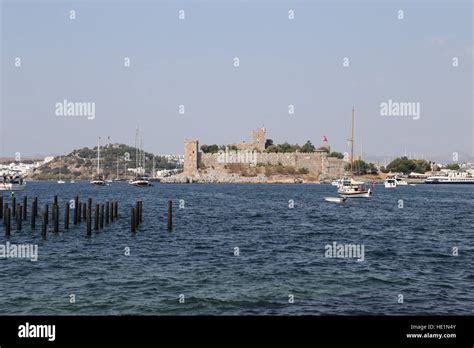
(315, 162)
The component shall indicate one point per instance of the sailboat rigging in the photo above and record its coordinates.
(140, 179)
(98, 180)
(349, 187)
(59, 179)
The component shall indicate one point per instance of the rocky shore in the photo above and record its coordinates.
(216, 176)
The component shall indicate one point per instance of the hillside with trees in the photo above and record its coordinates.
(406, 166)
(82, 163)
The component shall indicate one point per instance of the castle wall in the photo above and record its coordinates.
(316, 163)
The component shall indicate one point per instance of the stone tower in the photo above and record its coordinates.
(258, 137)
(190, 156)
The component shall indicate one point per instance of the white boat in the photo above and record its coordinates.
(390, 183)
(141, 182)
(336, 183)
(354, 191)
(98, 180)
(72, 182)
(12, 181)
(335, 199)
(401, 181)
(347, 186)
(61, 182)
(452, 178)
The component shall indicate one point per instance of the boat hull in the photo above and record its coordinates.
(335, 199)
(449, 182)
(140, 183)
(355, 194)
(98, 183)
(12, 187)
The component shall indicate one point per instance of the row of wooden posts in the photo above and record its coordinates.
(82, 211)
(107, 213)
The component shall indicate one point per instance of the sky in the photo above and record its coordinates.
(282, 61)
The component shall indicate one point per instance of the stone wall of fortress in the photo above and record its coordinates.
(316, 163)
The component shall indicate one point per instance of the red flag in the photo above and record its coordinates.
(324, 138)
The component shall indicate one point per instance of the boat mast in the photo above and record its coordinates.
(136, 152)
(352, 142)
(98, 157)
(153, 176)
(117, 167)
(142, 157)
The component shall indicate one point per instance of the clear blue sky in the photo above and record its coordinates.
(282, 62)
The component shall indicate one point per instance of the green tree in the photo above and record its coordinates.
(308, 147)
(453, 166)
(406, 166)
(336, 155)
(272, 148)
(371, 169)
(359, 167)
(209, 148)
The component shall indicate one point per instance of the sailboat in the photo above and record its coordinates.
(348, 186)
(60, 181)
(98, 180)
(140, 181)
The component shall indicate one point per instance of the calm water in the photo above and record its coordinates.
(282, 251)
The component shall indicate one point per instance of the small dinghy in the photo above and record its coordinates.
(335, 199)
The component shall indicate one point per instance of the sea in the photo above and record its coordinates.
(238, 249)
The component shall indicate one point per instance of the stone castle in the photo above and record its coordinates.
(317, 162)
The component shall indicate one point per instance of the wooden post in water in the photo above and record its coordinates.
(13, 205)
(111, 212)
(46, 210)
(107, 212)
(133, 226)
(19, 216)
(1, 207)
(35, 201)
(79, 213)
(170, 215)
(33, 215)
(66, 215)
(7, 222)
(55, 202)
(84, 211)
(44, 225)
(89, 216)
(25, 205)
(101, 216)
(96, 221)
(137, 213)
(76, 207)
(5, 212)
(53, 214)
(56, 217)
(140, 203)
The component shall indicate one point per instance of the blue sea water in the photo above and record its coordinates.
(408, 251)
